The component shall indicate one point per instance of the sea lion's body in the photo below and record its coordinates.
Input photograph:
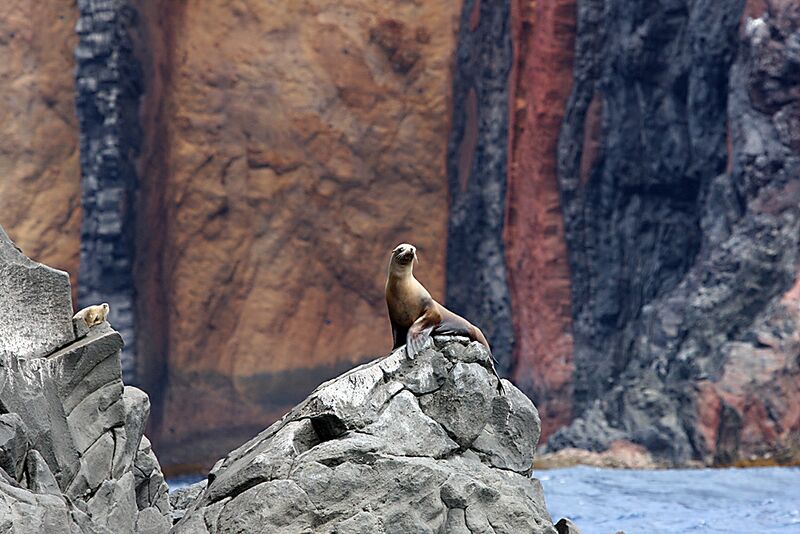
(414, 315)
(93, 315)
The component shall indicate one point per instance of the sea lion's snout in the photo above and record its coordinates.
(405, 254)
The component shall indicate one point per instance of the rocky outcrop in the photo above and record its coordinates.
(72, 453)
(685, 321)
(393, 446)
(296, 145)
(40, 184)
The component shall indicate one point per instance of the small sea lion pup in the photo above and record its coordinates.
(93, 315)
(415, 316)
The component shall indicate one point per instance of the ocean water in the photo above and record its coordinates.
(603, 501)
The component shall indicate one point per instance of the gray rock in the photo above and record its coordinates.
(181, 499)
(151, 488)
(566, 526)
(152, 521)
(73, 434)
(40, 478)
(406, 430)
(462, 406)
(136, 408)
(36, 305)
(363, 454)
(513, 423)
(13, 444)
(25, 512)
(80, 327)
(114, 505)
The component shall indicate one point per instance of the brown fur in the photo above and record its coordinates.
(413, 313)
(93, 315)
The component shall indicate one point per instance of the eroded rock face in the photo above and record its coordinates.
(39, 171)
(694, 256)
(305, 140)
(369, 452)
(477, 166)
(108, 81)
(536, 249)
(70, 429)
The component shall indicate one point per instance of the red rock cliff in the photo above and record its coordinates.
(536, 252)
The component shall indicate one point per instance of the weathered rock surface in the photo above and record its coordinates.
(36, 308)
(477, 166)
(370, 451)
(536, 249)
(294, 144)
(683, 263)
(39, 171)
(69, 429)
(108, 85)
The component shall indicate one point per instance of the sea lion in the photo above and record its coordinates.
(415, 316)
(93, 315)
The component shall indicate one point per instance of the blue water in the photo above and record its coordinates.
(603, 501)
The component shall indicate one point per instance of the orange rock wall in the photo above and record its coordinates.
(297, 143)
(536, 253)
(39, 169)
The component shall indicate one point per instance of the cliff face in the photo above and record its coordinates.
(40, 184)
(608, 188)
(685, 327)
(305, 141)
(536, 251)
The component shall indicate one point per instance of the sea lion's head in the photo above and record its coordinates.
(404, 254)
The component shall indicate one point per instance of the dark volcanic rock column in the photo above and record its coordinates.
(656, 74)
(108, 83)
(681, 263)
(477, 160)
(536, 251)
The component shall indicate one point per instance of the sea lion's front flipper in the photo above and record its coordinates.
(419, 334)
(399, 335)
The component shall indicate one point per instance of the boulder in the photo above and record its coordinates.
(565, 526)
(392, 446)
(182, 498)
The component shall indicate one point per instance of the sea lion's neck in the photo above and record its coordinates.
(400, 272)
